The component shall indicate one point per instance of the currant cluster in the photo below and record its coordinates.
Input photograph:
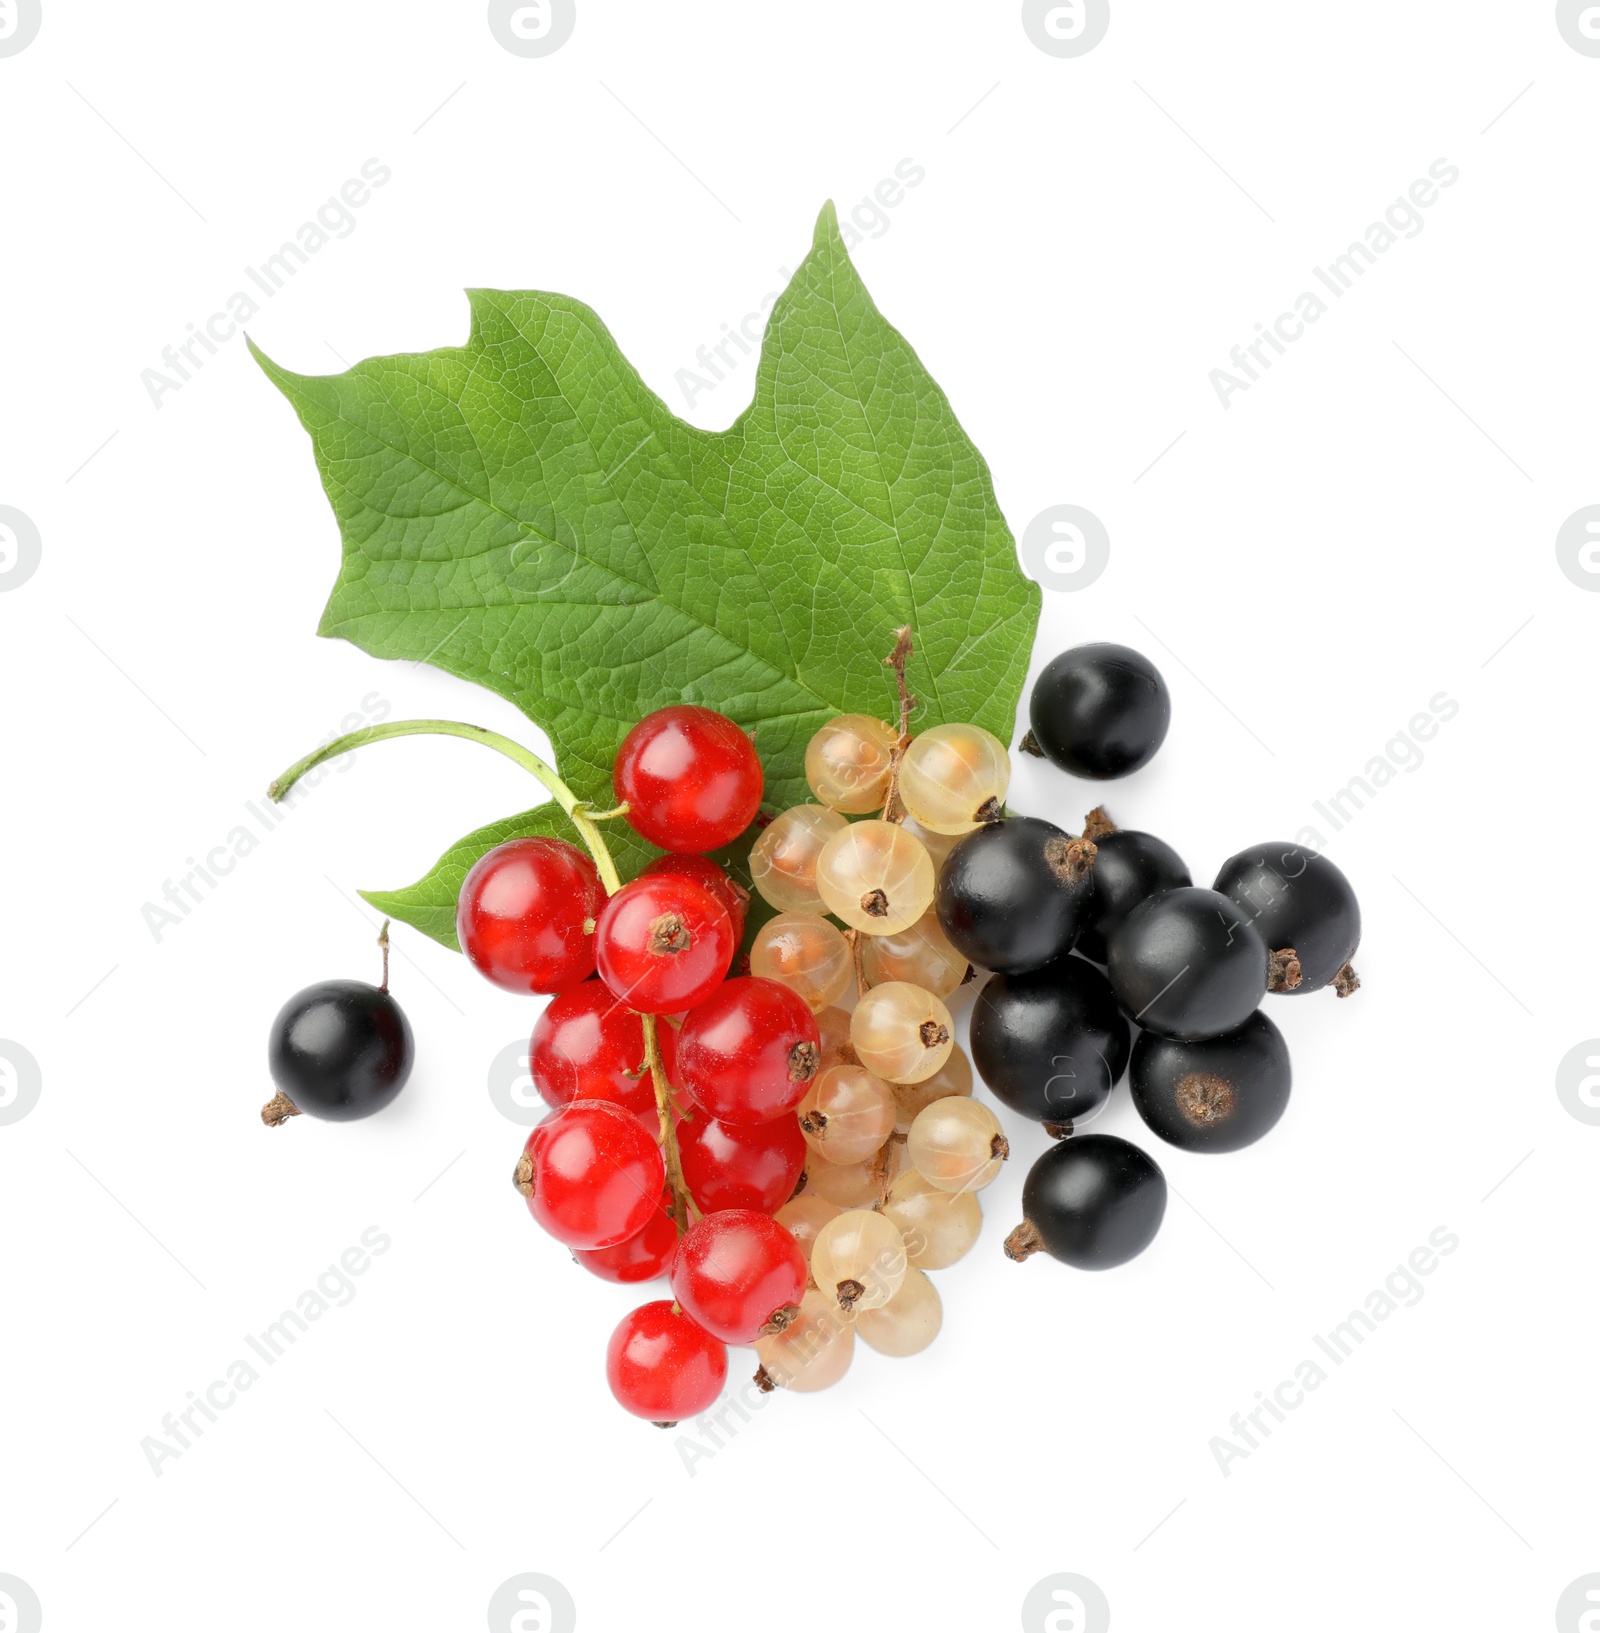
(791, 1143)
(789, 1138)
(1109, 960)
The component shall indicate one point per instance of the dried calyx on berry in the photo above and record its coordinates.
(339, 1051)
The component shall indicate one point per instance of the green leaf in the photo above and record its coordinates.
(525, 513)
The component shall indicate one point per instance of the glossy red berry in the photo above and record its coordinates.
(756, 1167)
(523, 913)
(644, 1256)
(591, 1175)
(749, 1052)
(663, 1367)
(589, 1045)
(705, 872)
(739, 1274)
(690, 778)
(663, 945)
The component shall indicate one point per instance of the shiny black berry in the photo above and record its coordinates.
(1093, 1201)
(1188, 964)
(1129, 867)
(339, 1050)
(1221, 1094)
(1305, 910)
(1099, 711)
(1050, 1043)
(1014, 895)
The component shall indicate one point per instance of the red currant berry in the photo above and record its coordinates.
(749, 1052)
(523, 911)
(705, 872)
(663, 944)
(646, 1256)
(588, 1045)
(661, 1366)
(755, 1167)
(591, 1175)
(739, 1274)
(690, 777)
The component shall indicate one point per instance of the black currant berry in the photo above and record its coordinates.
(1304, 908)
(339, 1050)
(1218, 1095)
(1188, 964)
(1093, 1201)
(1099, 711)
(1129, 868)
(1051, 1043)
(1014, 895)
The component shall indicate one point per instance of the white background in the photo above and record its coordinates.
(1371, 525)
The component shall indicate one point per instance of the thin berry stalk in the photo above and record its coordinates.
(584, 820)
(897, 662)
(530, 762)
(669, 1138)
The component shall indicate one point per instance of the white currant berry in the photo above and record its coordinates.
(848, 763)
(902, 1032)
(811, 1353)
(921, 954)
(954, 1077)
(847, 1114)
(956, 1144)
(859, 1261)
(876, 877)
(783, 861)
(803, 1216)
(807, 954)
(938, 1227)
(955, 778)
(908, 1323)
(855, 1184)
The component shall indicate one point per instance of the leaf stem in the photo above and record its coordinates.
(526, 758)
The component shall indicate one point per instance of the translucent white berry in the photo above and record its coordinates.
(955, 778)
(848, 763)
(902, 1032)
(876, 877)
(783, 861)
